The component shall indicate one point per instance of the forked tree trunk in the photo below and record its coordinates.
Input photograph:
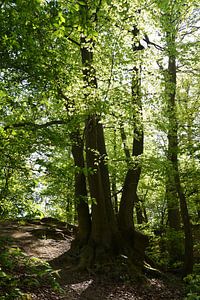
(104, 233)
(129, 194)
(101, 233)
(104, 239)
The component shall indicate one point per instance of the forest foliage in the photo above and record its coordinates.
(67, 64)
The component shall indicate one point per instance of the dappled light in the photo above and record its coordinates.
(99, 149)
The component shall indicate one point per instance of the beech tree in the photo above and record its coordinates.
(105, 234)
(74, 76)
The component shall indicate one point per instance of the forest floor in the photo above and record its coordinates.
(39, 240)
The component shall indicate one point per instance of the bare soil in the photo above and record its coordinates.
(49, 242)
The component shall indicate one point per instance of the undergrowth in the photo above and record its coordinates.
(20, 274)
(193, 284)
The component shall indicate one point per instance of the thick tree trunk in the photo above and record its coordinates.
(174, 237)
(105, 239)
(101, 232)
(104, 235)
(172, 205)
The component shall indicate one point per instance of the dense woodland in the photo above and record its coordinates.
(100, 125)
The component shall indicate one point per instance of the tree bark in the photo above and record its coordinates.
(188, 256)
(139, 214)
(171, 192)
(114, 176)
(129, 193)
(84, 222)
(101, 233)
(104, 233)
(105, 179)
(105, 239)
(138, 207)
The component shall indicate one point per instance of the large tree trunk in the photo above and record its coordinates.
(104, 236)
(104, 240)
(101, 233)
(129, 194)
(139, 212)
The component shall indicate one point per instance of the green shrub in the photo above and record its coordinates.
(193, 285)
(20, 274)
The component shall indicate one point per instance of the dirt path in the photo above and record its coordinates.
(48, 243)
(42, 247)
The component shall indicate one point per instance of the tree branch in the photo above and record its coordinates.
(73, 41)
(146, 39)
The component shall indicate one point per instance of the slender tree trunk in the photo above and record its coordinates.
(138, 207)
(84, 222)
(145, 213)
(129, 194)
(114, 177)
(188, 256)
(139, 214)
(173, 159)
(171, 192)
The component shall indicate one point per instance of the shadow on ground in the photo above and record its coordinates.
(38, 240)
(88, 286)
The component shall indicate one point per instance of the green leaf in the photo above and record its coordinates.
(83, 3)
